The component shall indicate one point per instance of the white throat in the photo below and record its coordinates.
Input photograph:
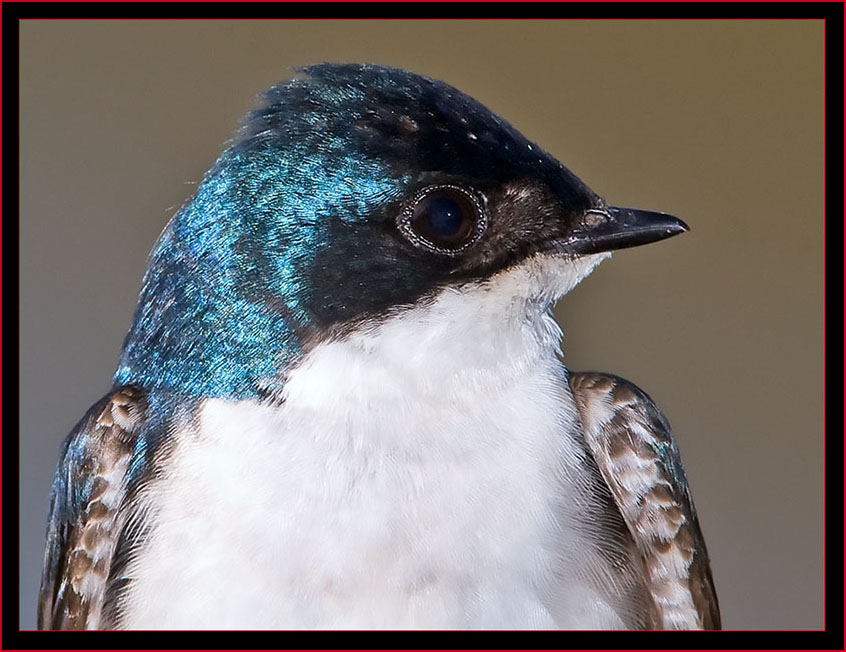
(458, 341)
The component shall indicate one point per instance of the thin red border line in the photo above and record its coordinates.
(825, 117)
(418, 19)
(318, 2)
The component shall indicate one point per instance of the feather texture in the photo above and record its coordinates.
(637, 455)
(87, 512)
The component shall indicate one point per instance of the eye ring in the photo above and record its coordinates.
(457, 195)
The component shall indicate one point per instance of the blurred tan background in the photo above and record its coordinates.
(718, 122)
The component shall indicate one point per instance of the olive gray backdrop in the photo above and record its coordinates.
(717, 122)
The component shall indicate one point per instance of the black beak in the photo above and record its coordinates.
(612, 227)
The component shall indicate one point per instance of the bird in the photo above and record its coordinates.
(342, 402)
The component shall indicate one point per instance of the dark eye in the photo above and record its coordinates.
(445, 219)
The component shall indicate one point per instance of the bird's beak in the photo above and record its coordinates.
(612, 227)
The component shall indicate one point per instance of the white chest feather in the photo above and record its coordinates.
(418, 474)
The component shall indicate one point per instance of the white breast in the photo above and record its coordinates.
(418, 474)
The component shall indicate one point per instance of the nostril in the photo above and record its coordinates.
(594, 217)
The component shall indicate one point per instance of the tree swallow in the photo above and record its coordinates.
(341, 404)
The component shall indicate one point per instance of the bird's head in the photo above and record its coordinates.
(355, 192)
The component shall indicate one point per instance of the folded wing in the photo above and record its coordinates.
(87, 512)
(637, 455)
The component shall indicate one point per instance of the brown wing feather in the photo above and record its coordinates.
(85, 512)
(634, 449)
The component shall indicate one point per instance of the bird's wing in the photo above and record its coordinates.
(637, 455)
(86, 511)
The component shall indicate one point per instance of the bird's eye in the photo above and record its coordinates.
(444, 219)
